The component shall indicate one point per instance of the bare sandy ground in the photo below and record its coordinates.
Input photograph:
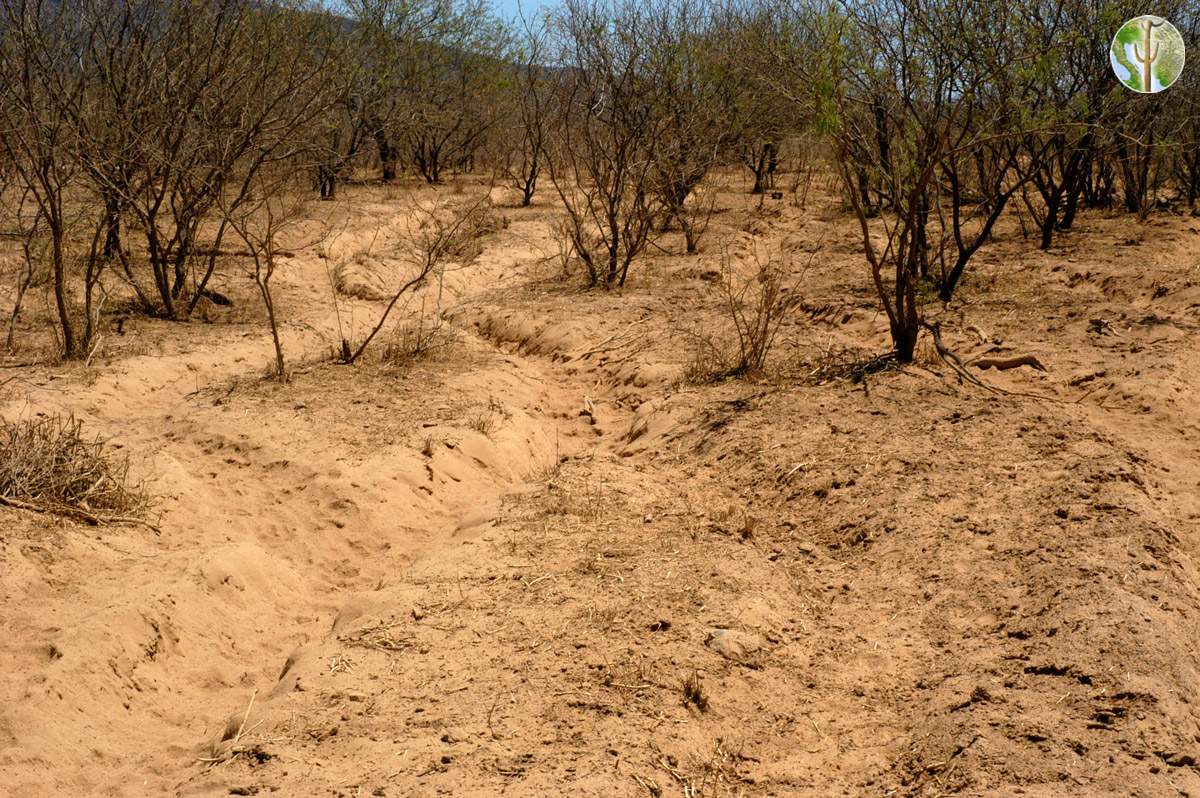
(494, 569)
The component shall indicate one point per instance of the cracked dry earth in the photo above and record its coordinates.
(538, 562)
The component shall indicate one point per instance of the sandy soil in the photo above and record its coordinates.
(494, 569)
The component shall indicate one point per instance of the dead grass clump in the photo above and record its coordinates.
(47, 464)
(488, 419)
(694, 693)
(415, 339)
(844, 363)
(462, 237)
(428, 446)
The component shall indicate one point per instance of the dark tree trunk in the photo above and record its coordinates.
(112, 234)
(387, 155)
(326, 183)
(763, 164)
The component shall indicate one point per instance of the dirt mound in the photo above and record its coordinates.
(365, 277)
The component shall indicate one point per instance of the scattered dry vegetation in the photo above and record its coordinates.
(48, 464)
(627, 400)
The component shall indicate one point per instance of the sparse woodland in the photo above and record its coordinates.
(138, 144)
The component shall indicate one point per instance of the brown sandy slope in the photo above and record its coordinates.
(492, 570)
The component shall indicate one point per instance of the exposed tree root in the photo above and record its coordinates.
(1005, 363)
(955, 362)
(77, 514)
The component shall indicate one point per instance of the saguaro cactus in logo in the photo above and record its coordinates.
(1147, 54)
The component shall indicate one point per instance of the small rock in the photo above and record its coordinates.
(733, 644)
(1177, 759)
(1083, 377)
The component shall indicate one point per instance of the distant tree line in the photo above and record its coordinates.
(137, 138)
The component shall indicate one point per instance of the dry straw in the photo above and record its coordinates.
(48, 464)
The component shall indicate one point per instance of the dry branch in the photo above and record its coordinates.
(78, 514)
(1005, 363)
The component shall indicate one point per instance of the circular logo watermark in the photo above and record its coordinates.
(1147, 54)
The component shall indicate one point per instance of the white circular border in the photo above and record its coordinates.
(1112, 61)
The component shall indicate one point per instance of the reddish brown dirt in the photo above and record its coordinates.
(493, 570)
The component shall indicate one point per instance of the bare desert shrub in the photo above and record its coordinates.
(755, 307)
(416, 338)
(437, 240)
(758, 307)
(564, 247)
(49, 464)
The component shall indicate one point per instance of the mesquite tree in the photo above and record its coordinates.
(757, 38)
(430, 77)
(40, 84)
(182, 110)
(950, 91)
(1187, 96)
(604, 136)
(529, 100)
(690, 67)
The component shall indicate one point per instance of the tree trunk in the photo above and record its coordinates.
(60, 290)
(112, 235)
(387, 155)
(1049, 223)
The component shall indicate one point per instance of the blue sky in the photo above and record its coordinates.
(508, 8)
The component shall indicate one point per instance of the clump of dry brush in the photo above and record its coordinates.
(48, 464)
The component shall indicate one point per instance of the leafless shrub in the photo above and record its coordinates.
(27, 222)
(758, 306)
(755, 307)
(694, 105)
(807, 160)
(260, 222)
(48, 464)
(530, 98)
(416, 338)
(435, 241)
(564, 242)
(602, 164)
